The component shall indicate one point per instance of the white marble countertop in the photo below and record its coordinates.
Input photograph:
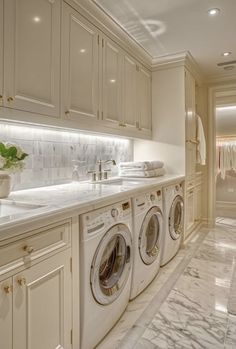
(74, 198)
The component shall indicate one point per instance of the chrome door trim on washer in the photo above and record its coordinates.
(176, 218)
(150, 254)
(111, 264)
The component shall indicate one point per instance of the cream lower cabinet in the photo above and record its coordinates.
(193, 208)
(6, 320)
(35, 306)
(31, 55)
(36, 289)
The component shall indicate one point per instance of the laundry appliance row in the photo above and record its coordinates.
(122, 247)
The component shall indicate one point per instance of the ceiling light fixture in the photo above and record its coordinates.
(226, 54)
(213, 12)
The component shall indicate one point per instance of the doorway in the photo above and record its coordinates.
(221, 138)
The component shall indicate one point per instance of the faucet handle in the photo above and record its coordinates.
(94, 175)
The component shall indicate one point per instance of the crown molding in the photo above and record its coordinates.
(104, 22)
(218, 79)
(178, 59)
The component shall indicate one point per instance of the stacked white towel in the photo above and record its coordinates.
(142, 169)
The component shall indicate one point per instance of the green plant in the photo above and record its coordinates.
(11, 157)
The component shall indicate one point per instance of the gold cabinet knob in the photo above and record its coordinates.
(67, 112)
(8, 288)
(21, 281)
(1, 97)
(10, 99)
(28, 249)
(121, 124)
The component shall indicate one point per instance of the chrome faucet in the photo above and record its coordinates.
(103, 174)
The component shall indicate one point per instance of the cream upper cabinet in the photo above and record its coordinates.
(191, 145)
(80, 67)
(32, 55)
(144, 100)
(42, 305)
(111, 83)
(1, 52)
(129, 85)
(6, 323)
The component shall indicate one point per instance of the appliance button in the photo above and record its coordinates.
(114, 212)
(152, 197)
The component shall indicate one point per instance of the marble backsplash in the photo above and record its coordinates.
(51, 153)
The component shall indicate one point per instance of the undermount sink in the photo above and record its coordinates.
(12, 208)
(121, 181)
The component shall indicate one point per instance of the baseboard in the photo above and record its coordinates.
(193, 232)
(225, 205)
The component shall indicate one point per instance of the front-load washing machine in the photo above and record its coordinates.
(105, 268)
(147, 239)
(173, 209)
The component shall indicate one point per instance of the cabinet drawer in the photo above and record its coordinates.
(36, 244)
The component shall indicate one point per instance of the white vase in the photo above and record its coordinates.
(5, 184)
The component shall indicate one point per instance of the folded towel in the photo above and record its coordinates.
(142, 165)
(142, 173)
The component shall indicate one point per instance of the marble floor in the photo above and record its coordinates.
(190, 304)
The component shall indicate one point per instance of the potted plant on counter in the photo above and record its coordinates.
(11, 161)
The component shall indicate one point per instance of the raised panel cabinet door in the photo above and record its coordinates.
(6, 314)
(80, 66)
(144, 100)
(1, 53)
(189, 218)
(111, 90)
(42, 305)
(129, 91)
(32, 55)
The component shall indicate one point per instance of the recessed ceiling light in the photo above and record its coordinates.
(213, 11)
(225, 54)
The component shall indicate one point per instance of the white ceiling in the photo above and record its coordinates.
(169, 26)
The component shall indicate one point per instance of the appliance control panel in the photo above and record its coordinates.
(145, 201)
(94, 221)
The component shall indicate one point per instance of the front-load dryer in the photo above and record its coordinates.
(105, 268)
(173, 209)
(147, 240)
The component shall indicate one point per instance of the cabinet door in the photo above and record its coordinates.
(79, 67)
(111, 90)
(129, 91)
(191, 146)
(198, 204)
(42, 305)
(32, 55)
(6, 314)
(1, 52)
(189, 218)
(144, 100)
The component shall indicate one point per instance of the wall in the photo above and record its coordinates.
(168, 121)
(51, 153)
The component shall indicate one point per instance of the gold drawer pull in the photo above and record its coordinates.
(67, 112)
(122, 124)
(8, 289)
(1, 97)
(10, 99)
(21, 281)
(28, 249)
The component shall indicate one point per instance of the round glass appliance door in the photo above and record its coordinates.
(150, 235)
(111, 264)
(176, 217)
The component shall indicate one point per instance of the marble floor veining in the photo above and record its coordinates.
(187, 304)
